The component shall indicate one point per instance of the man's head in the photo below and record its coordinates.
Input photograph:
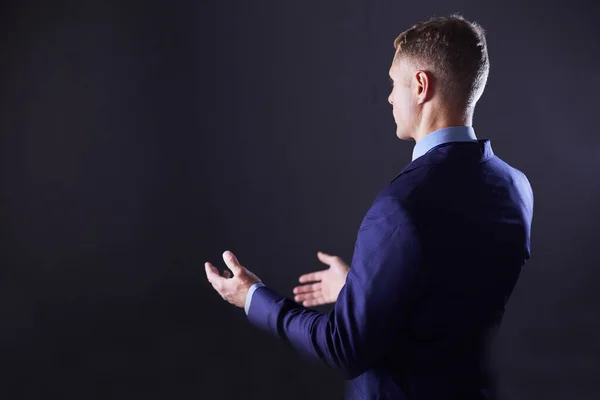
(439, 71)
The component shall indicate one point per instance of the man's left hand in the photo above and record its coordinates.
(234, 288)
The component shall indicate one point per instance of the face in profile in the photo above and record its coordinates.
(403, 100)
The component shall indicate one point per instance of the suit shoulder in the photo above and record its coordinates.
(407, 183)
(517, 176)
(388, 209)
(398, 195)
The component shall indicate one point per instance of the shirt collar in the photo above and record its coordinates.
(441, 136)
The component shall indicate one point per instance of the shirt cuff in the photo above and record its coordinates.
(250, 293)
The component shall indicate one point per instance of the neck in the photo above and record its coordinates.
(432, 121)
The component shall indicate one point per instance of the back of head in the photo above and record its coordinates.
(454, 50)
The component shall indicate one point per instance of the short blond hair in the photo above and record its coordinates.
(454, 50)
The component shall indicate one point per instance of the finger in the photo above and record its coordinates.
(232, 262)
(312, 287)
(315, 302)
(307, 296)
(227, 274)
(212, 273)
(311, 277)
(307, 288)
(326, 258)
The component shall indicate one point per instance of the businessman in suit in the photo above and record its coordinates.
(436, 256)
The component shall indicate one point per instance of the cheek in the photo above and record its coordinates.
(399, 106)
(398, 97)
(402, 103)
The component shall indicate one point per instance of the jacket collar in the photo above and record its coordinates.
(440, 152)
(448, 134)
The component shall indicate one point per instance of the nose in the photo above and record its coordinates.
(390, 99)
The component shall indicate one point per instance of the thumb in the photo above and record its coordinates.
(325, 258)
(232, 262)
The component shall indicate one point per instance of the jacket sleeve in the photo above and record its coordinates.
(371, 307)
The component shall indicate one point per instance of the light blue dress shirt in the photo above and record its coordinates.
(249, 295)
(435, 138)
(441, 136)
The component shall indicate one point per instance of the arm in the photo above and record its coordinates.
(329, 283)
(382, 282)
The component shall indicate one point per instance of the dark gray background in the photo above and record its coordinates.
(139, 140)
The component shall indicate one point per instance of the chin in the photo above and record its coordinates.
(402, 135)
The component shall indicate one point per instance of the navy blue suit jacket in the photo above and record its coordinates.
(435, 261)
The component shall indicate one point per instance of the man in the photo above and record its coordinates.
(437, 254)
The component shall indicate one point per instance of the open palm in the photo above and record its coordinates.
(326, 284)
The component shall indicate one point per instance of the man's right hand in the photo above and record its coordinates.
(328, 282)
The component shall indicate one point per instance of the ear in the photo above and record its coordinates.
(424, 88)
